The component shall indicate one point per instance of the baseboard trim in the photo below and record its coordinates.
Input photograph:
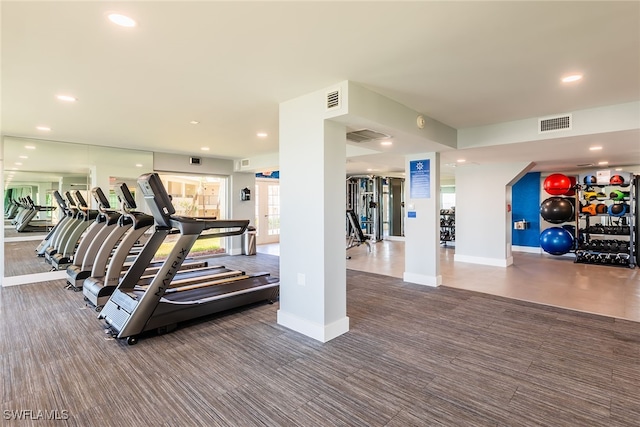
(421, 279)
(322, 333)
(496, 262)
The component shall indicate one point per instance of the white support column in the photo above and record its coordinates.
(312, 250)
(422, 220)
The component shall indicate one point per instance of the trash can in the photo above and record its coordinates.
(249, 241)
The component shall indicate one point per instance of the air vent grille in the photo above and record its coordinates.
(244, 163)
(333, 99)
(366, 135)
(554, 124)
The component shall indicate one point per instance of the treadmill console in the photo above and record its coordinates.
(100, 197)
(72, 202)
(60, 200)
(157, 198)
(81, 201)
(125, 196)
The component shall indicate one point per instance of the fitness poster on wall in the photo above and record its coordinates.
(419, 179)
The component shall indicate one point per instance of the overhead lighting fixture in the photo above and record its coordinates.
(386, 143)
(138, 165)
(194, 122)
(43, 128)
(67, 98)
(18, 163)
(572, 78)
(121, 20)
(30, 147)
(596, 148)
(618, 169)
(603, 163)
(23, 157)
(262, 135)
(204, 148)
(461, 160)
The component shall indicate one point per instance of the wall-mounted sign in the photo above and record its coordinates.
(411, 214)
(419, 179)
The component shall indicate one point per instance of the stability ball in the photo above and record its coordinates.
(557, 210)
(556, 241)
(557, 184)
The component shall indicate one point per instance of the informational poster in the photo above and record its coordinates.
(419, 179)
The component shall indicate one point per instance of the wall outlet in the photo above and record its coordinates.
(302, 279)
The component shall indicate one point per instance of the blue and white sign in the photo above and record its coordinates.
(419, 179)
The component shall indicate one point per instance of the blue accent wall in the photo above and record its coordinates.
(525, 198)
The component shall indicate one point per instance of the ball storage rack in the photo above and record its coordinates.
(607, 219)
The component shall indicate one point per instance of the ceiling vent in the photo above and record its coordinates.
(333, 99)
(555, 124)
(244, 163)
(365, 135)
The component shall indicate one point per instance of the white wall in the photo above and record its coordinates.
(483, 224)
(240, 209)
(584, 122)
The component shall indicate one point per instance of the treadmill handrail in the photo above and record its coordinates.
(193, 225)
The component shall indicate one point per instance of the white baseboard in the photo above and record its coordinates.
(421, 279)
(34, 278)
(496, 262)
(322, 333)
(527, 249)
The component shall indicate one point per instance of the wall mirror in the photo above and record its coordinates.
(38, 167)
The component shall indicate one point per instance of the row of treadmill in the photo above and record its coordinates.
(23, 214)
(109, 256)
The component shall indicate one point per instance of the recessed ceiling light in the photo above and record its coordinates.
(18, 163)
(205, 148)
(369, 170)
(262, 135)
(122, 20)
(30, 147)
(138, 165)
(44, 128)
(596, 148)
(67, 98)
(461, 160)
(618, 169)
(603, 163)
(23, 157)
(194, 122)
(386, 143)
(572, 78)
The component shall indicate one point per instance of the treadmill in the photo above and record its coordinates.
(110, 260)
(160, 307)
(64, 217)
(29, 222)
(95, 236)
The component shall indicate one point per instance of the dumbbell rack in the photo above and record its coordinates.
(447, 226)
(604, 239)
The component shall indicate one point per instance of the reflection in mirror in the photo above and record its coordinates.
(37, 168)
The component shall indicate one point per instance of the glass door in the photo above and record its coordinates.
(267, 211)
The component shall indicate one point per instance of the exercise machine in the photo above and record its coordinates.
(356, 236)
(130, 311)
(94, 238)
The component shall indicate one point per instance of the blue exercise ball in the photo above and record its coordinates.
(556, 241)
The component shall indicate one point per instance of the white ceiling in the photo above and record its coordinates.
(229, 64)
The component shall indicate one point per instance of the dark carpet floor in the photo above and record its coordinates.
(414, 356)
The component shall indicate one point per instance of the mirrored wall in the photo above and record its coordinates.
(37, 168)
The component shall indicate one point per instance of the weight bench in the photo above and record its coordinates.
(356, 237)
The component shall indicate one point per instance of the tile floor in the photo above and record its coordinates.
(539, 278)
